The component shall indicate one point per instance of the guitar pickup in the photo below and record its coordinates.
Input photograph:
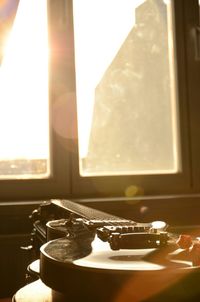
(138, 240)
(105, 232)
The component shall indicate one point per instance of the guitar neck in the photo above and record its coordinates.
(119, 232)
(92, 215)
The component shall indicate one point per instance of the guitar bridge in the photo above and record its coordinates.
(136, 236)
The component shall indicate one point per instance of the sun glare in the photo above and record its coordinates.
(24, 113)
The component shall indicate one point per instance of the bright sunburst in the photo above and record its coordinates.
(24, 118)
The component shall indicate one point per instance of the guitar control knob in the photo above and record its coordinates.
(184, 241)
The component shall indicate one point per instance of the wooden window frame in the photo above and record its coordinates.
(65, 180)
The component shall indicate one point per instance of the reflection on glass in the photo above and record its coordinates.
(24, 107)
(125, 79)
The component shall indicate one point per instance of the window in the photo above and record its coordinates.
(108, 73)
(33, 159)
(127, 106)
(24, 114)
(178, 180)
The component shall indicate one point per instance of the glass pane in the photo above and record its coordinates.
(125, 79)
(24, 102)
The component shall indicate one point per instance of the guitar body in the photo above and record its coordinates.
(94, 256)
(86, 269)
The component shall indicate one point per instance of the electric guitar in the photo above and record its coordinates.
(92, 245)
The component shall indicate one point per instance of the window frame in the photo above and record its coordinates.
(192, 25)
(58, 183)
(153, 184)
(65, 181)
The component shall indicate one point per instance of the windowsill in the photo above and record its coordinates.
(175, 210)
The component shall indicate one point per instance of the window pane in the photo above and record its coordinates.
(24, 102)
(125, 79)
